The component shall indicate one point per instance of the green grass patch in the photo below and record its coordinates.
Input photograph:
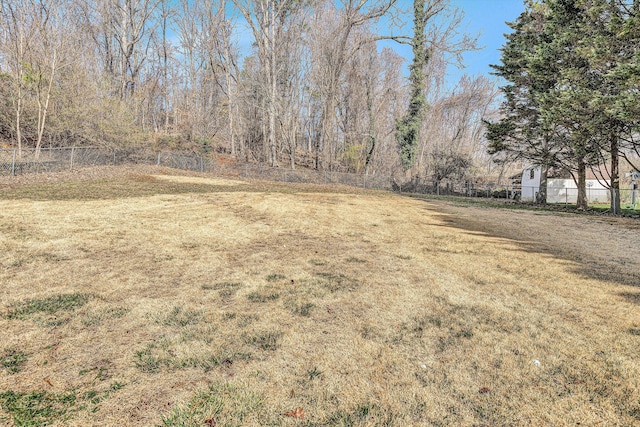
(313, 373)
(264, 296)
(42, 408)
(181, 317)
(222, 404)
(221, 286)
(13, 360)
(299, 308)
(266, 340)
(275, 277)
(594, 208)
(39, 408)
(161, 355)
(50, 305)
(225, 289)
(363, 414)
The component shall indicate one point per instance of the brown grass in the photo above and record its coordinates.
(174, 301)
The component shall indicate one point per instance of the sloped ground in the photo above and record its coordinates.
(143, 298)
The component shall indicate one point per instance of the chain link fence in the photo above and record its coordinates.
(184, 162)
(28, 160)
(262, 172)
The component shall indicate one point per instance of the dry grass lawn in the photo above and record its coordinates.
(146, 299)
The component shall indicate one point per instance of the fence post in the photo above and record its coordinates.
(13, 163)
(158, 162)
(71, 162)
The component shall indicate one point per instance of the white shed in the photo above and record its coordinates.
(561, 188)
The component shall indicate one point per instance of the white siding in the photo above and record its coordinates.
(560, 190)
(565, 191)
(530, 186)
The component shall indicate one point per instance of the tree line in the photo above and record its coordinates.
(572, 98)
(314, 89)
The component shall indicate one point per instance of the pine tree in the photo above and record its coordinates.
(571, 99)
(521, 134)
(610, 46)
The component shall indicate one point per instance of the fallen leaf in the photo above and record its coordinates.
(48, 382)
(210, 422)
(296, 413)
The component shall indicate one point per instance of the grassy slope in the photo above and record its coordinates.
(155, 300)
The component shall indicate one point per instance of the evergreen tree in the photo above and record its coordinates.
(564, 108)
(571, 97)
(610, 45)
(521, 133)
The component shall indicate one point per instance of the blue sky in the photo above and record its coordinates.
(486, 17)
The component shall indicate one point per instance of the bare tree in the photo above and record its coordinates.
(454, 142)
(333, 46)
(274, 25)
(16, 42)
(51, 54)
(131, 25)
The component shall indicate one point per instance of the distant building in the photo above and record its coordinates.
(561, 188)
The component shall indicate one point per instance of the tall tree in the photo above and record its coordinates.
(408, 129)
(609, 48)
(530, 73)
(338, 32)
(18, 24)
(430, 36)
(569, 88)
(272, 22)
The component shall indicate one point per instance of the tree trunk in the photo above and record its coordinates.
(615, 176)
(273, 90)
(230, 98)
(43, 109)
(18, 124)
(371, 145)
(582, 202)
(541, 197)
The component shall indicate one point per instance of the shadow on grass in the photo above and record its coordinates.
(631, 296)
(587, 265)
